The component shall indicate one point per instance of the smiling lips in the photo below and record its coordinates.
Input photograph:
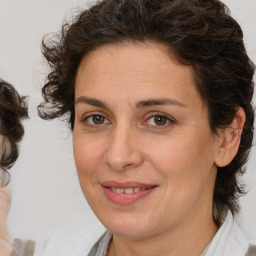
(126, 193)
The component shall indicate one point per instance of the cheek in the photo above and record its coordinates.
(184, 161)
(87, 154)
(185, 169)
(174, 164)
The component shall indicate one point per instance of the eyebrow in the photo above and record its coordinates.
(140, 104)
(159, 102)
(91, 101)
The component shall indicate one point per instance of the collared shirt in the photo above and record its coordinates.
(228, 241)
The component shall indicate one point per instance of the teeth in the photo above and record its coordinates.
(120, 190)
(126, 190)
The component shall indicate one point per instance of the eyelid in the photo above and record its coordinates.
(171, 120)
(94, 113)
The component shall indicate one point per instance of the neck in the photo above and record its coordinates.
(188, 238)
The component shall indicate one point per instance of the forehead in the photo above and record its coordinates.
(131, 51)
(131, 70)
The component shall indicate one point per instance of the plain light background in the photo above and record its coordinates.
(46, 195)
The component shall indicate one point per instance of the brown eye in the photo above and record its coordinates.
(160, 120)
(97, 119)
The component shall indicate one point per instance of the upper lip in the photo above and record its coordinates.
(127, 184)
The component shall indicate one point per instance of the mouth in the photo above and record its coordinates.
(127, 190)
(126, 193)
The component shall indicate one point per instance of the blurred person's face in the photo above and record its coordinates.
(143, 147)
(5, 148)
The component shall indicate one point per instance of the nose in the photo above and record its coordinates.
(122, 152)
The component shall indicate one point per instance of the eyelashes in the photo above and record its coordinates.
(154, 120)
(95, 120)
(160, 120)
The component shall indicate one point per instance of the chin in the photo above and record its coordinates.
(133, 227)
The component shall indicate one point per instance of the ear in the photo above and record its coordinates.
(229, 139)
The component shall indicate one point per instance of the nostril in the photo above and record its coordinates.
(127, 167)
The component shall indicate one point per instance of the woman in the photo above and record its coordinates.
(13, 109)
(158, 94)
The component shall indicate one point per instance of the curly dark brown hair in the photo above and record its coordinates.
(199, 33)
(13, 108)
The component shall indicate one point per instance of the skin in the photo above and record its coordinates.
(5, 245)
(128, 144)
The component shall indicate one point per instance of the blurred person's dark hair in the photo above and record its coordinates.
(13, 109)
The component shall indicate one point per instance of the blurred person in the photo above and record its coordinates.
(13, 108)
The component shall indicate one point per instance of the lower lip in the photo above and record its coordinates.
(126, 199)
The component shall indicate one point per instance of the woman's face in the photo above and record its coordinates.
(143, 147)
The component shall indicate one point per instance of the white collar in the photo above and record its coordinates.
(229, 240)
